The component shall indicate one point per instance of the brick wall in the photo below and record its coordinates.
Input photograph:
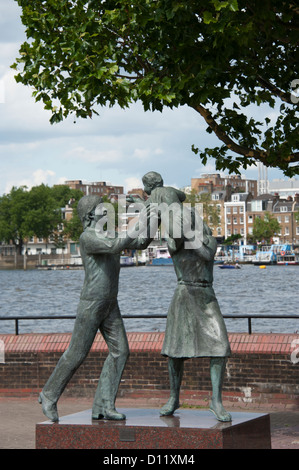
(263, 368)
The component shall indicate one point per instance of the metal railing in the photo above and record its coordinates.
(249, 317)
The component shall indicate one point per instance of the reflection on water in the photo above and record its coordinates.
(148, 290)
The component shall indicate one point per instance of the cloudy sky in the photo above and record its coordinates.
(117, 146)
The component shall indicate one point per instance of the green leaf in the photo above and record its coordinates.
(209, 18)
(170, 53)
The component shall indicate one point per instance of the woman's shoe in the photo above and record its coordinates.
(220, 412)
(170, 407)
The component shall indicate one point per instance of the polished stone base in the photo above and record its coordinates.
(146, 429)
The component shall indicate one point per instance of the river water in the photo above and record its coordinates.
(148, 290)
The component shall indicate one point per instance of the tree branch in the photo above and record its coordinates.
(259, 154)
(287, 97)
(128, 76)
(126, 41)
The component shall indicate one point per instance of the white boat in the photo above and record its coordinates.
(160, 257)
(276, 254)
(288, 258)
(126, 261)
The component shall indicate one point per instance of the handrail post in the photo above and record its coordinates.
(249, 325)
(16, 326)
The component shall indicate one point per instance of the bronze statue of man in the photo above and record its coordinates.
(97, 310)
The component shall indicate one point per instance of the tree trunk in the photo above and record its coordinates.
(19, 246)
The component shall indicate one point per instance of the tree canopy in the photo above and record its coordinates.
(210, 212)
(234, 62)
(36, 212)
(265, 228)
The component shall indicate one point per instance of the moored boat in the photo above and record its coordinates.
(229, 266)
(126, 261)
(161, 257)
(288, 258)
(276, 254)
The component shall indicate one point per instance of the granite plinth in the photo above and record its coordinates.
(146, 429)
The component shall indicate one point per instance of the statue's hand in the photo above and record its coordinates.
(205, 240)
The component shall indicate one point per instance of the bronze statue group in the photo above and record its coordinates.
(194, 328)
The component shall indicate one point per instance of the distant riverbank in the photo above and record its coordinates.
(148, 290)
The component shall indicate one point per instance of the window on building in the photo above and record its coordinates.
(235, 210)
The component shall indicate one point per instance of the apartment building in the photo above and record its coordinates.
(138, 192)
(257, 207)
(235, 215)
(285, 212)
(284, 188)
(100, 188)
(218, 198)
(215, 182)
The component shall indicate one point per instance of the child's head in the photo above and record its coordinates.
(152, 180)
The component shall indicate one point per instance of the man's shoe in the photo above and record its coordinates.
(49, 407)
(112, 414)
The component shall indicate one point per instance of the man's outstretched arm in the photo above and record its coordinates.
(94, 244)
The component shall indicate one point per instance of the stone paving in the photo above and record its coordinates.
(20, 415)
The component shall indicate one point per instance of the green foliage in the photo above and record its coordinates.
(64, 195)
(209, 207)
(265, 228)
(73, 228)
(225, 59)
(12, 216)
(232, 239)
(37, 212)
